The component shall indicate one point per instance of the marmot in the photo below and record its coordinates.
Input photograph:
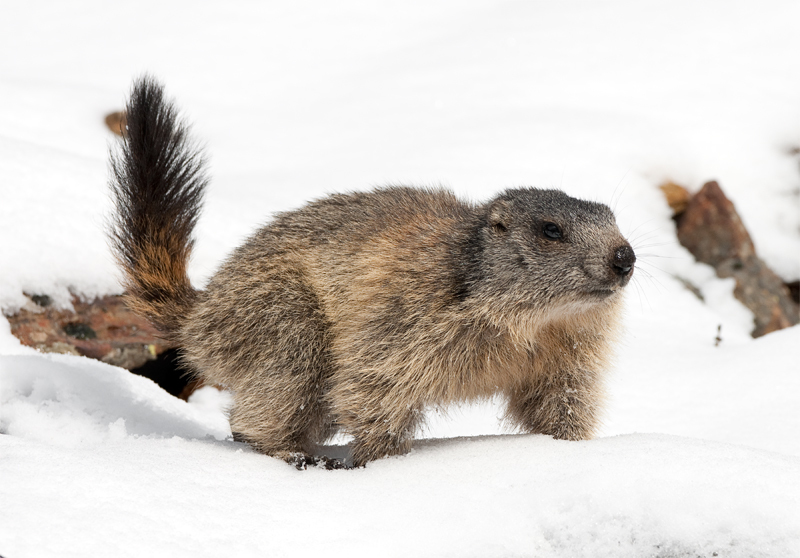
(358, 311)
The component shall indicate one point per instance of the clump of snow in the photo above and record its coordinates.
(61, 400)
(10, 345)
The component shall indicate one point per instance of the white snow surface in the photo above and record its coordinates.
(699, 454)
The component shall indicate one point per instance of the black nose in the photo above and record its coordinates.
(624, 258)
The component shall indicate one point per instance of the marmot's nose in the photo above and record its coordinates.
(624, 258)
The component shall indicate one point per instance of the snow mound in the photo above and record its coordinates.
(114, 455)
(68, 401)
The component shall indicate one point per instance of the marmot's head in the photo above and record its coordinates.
(544, 248)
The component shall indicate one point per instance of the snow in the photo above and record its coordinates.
(633, 495)
(73, 402)
(699, 451)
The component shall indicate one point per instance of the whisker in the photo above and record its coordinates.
(614, 198)
(640, 225)
(640, 291)
(648, 259)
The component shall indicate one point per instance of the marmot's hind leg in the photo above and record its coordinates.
(272, 423)
(267, 341)
(379, 415)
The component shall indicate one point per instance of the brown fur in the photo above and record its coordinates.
(360, 311)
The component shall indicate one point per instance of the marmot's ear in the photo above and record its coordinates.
(499, 215)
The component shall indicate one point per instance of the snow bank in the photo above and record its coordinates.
(114, 465)
(671, 378)
(65, 401)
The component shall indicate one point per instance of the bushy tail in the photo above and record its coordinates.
(157, 180)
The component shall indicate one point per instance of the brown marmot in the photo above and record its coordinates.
(358, 311)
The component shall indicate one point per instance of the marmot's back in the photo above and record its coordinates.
(355, 248)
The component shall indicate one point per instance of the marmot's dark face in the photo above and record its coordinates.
(546, 247)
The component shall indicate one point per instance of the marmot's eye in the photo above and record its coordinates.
(551, 231)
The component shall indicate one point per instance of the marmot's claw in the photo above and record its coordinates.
(331, 463)
(302, 461)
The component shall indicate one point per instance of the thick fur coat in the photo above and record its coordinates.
(359, 311)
